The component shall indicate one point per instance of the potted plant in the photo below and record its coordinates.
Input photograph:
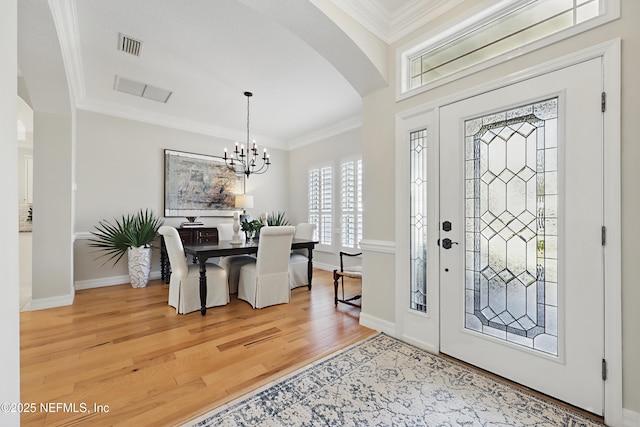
(133, 235)
(250, 228)
(277, 219)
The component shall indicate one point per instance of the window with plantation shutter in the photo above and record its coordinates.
(351, 203)
(320, 203)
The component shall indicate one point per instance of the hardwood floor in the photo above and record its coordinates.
(127, 352)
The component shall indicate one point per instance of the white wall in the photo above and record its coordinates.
(378, 152)
(52, 211)
(120, 169)
(9, 315)
(326, 151)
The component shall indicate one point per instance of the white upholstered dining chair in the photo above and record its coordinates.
(225, 231)
(184, 285)
(232, 263)
(299, 258)
(265, 282)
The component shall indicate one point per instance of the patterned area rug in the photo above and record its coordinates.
(384, 382)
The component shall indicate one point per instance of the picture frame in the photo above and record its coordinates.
(198, 185)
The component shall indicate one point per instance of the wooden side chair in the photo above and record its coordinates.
(351, 272)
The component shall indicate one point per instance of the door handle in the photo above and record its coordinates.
(447, 243)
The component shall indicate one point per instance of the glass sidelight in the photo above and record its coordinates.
(418, 219)
(511, 213)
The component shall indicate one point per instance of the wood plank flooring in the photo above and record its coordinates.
(121, 356)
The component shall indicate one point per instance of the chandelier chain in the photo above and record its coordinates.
(245, 162)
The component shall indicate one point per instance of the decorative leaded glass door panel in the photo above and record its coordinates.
(521, 292)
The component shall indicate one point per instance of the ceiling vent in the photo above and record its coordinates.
(129, 45)
(140, 89)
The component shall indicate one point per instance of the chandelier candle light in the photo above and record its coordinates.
(246, 162)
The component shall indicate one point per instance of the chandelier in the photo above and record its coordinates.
(245, 160)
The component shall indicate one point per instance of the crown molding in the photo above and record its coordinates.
(373, 16)
(327, 132)
(416, 14)
(65, 19)
(392, 26)
(66, 22)
(165, 120)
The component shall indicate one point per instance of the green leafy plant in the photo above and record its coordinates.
(277, 219)
(129, 231)
(252, 226)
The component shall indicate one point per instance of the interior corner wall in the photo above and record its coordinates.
(378, 191)
(9, 304)
(52, 211)
(380, 108)
(326, 151)
(120, 169)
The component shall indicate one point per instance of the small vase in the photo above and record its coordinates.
(250, 235)
(139, 266)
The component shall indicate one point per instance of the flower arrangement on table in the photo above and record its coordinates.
(251, 228)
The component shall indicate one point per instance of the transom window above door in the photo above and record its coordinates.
(495, 32)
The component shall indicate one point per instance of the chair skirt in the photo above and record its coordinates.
(184, 292)
(263, 291)
(232, 264)
(298, 265)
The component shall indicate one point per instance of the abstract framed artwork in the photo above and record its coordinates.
(199, 185)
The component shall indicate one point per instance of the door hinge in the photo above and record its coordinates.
(604, 370)
(603, 102)
(604, 235)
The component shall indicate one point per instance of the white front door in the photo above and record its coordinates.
(521, 269)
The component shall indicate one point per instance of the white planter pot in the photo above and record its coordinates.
(139, 266)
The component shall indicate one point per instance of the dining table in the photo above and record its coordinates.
(202, 252)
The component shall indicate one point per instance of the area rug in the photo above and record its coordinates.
(385, 382)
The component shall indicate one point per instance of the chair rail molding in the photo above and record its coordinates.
(384, 246)
(82, 235)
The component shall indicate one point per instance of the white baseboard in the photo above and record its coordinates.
(323, 266)
(110, 281)
(377, 324)
(51, 302)
(120, 280)
(630, 418)
(420, 344)
(389, 328)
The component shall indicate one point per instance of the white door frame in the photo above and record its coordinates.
(428, 115)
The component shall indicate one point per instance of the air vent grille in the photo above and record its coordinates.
(129, 45)
(140, 89)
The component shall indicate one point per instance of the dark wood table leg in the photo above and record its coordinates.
(203, 286)
(335, 286)
(163, 266)
(310, 267)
